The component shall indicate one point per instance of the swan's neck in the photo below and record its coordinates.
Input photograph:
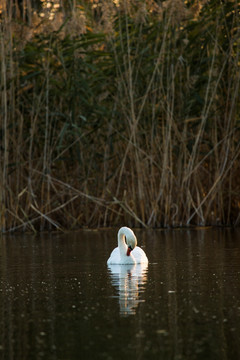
(121, 243)
(124, 233)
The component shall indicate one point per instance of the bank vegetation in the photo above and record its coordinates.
(119, 113)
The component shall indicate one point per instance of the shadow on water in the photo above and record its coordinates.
(60, 300)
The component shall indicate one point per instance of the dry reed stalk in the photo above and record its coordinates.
(29, 222)
(134, 118)
(4, 125)
(205, 111)
(219, 179)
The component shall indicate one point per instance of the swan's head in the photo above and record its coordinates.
(131, 242)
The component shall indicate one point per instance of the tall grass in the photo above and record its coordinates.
(120, 114)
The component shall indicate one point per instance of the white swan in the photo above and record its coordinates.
(127, 251)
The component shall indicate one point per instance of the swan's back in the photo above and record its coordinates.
(139, 255)
(114, 257)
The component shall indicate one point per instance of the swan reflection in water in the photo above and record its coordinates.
(129, 280)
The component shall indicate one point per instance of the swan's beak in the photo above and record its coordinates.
(129, 249)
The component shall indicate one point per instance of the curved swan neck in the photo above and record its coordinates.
(121, 240)
(124, 232)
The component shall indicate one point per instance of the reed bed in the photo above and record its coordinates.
(119, 113)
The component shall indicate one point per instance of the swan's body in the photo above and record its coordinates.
(127, 251)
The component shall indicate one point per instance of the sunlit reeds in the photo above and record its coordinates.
(119, 112)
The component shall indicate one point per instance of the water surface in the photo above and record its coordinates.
(60, 300)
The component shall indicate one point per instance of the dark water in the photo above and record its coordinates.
(59, 300)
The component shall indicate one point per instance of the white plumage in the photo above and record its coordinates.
(127, 251)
